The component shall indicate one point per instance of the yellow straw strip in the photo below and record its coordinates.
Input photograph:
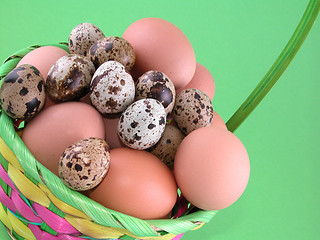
(20, 228)
(91, 229)
(200, 226)
(98, 231)
(165, 237)
(27, 188)
(4, 218)
(9, 155)
(62, 205)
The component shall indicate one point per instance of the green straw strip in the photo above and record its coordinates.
(277, 68)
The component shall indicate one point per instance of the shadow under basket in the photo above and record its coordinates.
(35, 204)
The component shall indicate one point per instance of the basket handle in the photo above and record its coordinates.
(278, 68)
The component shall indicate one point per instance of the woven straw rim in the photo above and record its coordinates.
(90, 209)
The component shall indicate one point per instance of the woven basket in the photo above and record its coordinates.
(35, 204)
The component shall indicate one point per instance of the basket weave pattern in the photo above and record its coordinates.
(35, 204)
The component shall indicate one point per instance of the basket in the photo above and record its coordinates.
(35, 204)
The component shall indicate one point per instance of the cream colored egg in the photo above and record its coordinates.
(112, 89)
(82, 37)
(192, 110)
(84, 164)
(22, 94)
(167, 146)
(142, 124)
(157, 85)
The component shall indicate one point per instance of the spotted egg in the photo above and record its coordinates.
(82, 37)
(192, 110)
(157, 85)
(22, 93)
(112, 48)
(84, 164)
(69, 78)
(112, 89)
(142, 124)
(167, 146)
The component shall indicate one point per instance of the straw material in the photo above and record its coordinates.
(35, 204)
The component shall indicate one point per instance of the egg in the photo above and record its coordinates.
(142, 124)
(138, 184)
(202, 80)
(69, 78)
(84, 164)
(59, 126)
(111, 126)
(43, 58)
(166, 148)
(82, 37)
(211, 168)
(160, 45)
(112, 89)
(22, 94)
(112, 48)
(192, 110)
(157, 85)
(217, 121)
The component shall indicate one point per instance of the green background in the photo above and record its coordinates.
(237, 41)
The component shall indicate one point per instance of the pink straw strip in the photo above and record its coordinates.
(41, 235)
(58, 224)
(5, 200)
(5, 177)
(178, 237)
(23, 208)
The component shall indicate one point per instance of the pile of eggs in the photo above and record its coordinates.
(128, 120)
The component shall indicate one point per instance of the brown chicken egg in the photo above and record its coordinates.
(211, 168)
(217, 121)
(43, 58)
(57, 127)
(160, 45)
(138, 184)
(202, 80)
(111, 126)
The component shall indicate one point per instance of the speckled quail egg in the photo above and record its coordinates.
(22, 93)
(69, 78)
(157, 85)
(192, 110)
(167, 146)
(142, 124)
(112, 89)
(112, 48)
(84, 164)
(82, 37)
